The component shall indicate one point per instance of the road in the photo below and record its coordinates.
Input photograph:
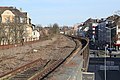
(96, 65)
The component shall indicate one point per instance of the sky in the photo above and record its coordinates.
(64, 12)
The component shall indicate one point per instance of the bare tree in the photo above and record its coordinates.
(55, 28)
(11, 33)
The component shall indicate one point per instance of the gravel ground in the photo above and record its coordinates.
(54, 48)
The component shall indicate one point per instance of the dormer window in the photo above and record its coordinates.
(7, 16)
(21, 20)
(7, 19)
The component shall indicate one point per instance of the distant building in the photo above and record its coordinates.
(91, 24)
(13, 15)
(106, 31)
(15, 26)
(76, 28)
(102, 35)
(35, 34)
(117, 37)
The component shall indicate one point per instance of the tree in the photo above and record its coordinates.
(2, 34)
(55, 28)
(11, 33)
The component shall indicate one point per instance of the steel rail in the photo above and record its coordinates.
(17, 70)
(51, 68)
(47, 70)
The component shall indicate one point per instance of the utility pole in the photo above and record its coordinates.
(105, 62)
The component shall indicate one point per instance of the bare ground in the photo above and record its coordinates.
(57, 47)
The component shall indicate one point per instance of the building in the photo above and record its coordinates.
(105, 33)
(35, 34)
(117, 37)
(82, 30)
(102, 35)
(76, 28)
(15, 26)
(91, 24)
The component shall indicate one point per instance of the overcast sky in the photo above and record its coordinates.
(64, 12)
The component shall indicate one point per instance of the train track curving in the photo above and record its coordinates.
(39, 69)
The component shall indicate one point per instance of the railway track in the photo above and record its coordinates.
(31, 72)
(39, 69)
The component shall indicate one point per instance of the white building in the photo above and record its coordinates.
(35, 35)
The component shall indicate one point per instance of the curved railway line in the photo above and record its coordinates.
(39, 69)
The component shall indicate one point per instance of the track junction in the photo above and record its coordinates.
(40, 69)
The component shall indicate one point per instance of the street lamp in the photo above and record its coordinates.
(105, 61)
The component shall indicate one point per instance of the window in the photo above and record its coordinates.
(0, 19)
(7, 19)
(16, 19)
(21, 20)
(34, 33)
(118, 36)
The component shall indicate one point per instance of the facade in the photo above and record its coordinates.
(118, 32)
(82, 30)
(75, 28)
(67, 30)
(35, 34)
(106, 32)
(117, 37)
(94, 25)
(102, 35)
(91, 23)
(15, 26)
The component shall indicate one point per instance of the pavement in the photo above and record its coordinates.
(101, 53)
(96, 65)
(72, 70)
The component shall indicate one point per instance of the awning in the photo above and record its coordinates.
(117, 44)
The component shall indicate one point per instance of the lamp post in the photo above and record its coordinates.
(105, 61)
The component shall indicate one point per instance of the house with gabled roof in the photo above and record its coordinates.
(15, 26)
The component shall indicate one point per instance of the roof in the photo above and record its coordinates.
(13, 10)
